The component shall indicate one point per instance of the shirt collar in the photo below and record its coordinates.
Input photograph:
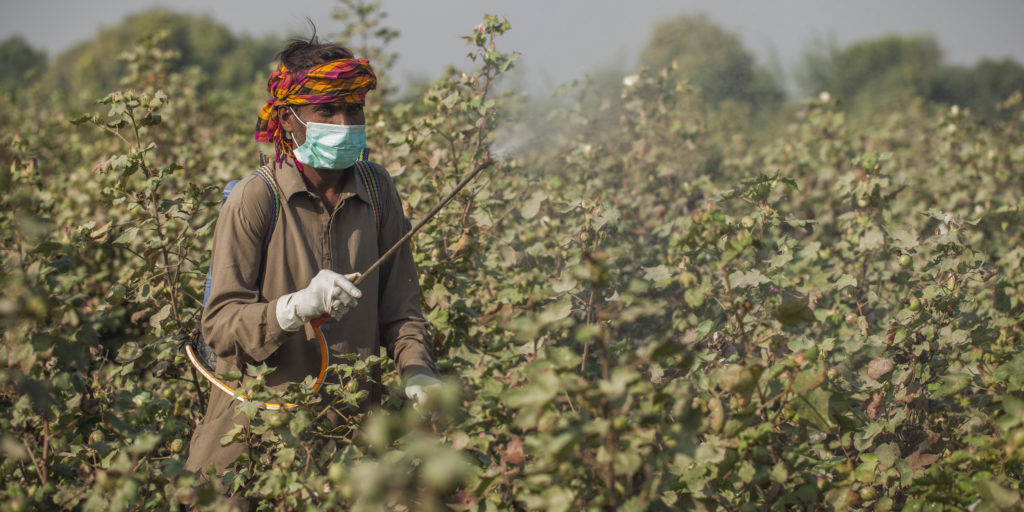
(291, 182)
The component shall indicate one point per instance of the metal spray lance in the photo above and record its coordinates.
(487, 162)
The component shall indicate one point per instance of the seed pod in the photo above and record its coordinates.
(716, 414)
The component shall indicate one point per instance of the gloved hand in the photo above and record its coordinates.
(328, 293)
(419, 388)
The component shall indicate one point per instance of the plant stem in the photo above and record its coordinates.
(40, 464)
(589, 320)
(199, 390)
(736, 314)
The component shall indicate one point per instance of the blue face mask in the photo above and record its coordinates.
(331, 146)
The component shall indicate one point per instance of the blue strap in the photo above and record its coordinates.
(267, 177)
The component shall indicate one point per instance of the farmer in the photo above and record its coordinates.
(329, 227)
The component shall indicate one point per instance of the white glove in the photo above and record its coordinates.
(419, 387)
(328, 293)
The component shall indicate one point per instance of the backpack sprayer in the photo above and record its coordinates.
(204, 360)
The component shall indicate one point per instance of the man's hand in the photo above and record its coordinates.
(420, 388)
(328, 293)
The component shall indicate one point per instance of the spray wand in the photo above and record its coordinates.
(487, 162)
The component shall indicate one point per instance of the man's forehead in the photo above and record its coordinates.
(339, 103)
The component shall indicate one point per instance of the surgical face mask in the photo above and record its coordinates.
(331, 146)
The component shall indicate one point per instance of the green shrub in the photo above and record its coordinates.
(637, 306)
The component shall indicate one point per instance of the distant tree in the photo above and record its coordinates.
(711, 59)
(981, 88)
(227, 61)
(365, 35)
(814, 73)
(879, 66)
(19, 62)
(880, 74)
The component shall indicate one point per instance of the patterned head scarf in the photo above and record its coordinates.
(345, 80)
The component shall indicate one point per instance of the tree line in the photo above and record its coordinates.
(872, 76)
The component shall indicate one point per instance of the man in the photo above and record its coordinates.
(266, 291)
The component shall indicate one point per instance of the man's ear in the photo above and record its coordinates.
(287, 119)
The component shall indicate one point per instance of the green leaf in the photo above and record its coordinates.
(954, 338)
(232, 435)
(144, 443)
(844, 281)
(746, 472)
(156, 320)
(694, 297)
(531, 206)
(129, 352)
(879, 366)
(871, 239)
(556, 311)
(610, 215)
(562, 357)
(401, 151)
(809, 379)
(813, 408)
(1011, 372)
(905, 239)
(1013, 407)
(299, 422)
(887, 454)
(951, 385)
(752, 277)
(704, 328)
(657, 274)
(778, 473)
(994, 493)
(564, 284)
(79, 119)
(531, 394)
(127, 236)
(615, 387)
(794, 310)
(633, 504)
(865, 472)
(230, 376)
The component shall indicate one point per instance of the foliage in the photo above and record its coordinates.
(880, 68)
(364, 35)
(982, 88)
(19, 62)
(636, 307)
(878, 75)
(226, 61)
(712, 59)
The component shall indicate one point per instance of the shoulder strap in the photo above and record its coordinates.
(368, 175)
(267, 175)
(200, 348)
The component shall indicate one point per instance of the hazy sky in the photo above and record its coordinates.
(561, 39)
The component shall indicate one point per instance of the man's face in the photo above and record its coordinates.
(328, 113)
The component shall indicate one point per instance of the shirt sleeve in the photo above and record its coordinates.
(403, 327)
(238, 322)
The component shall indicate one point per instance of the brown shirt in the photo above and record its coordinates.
(240, 319)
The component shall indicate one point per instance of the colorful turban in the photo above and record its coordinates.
(345, 80)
